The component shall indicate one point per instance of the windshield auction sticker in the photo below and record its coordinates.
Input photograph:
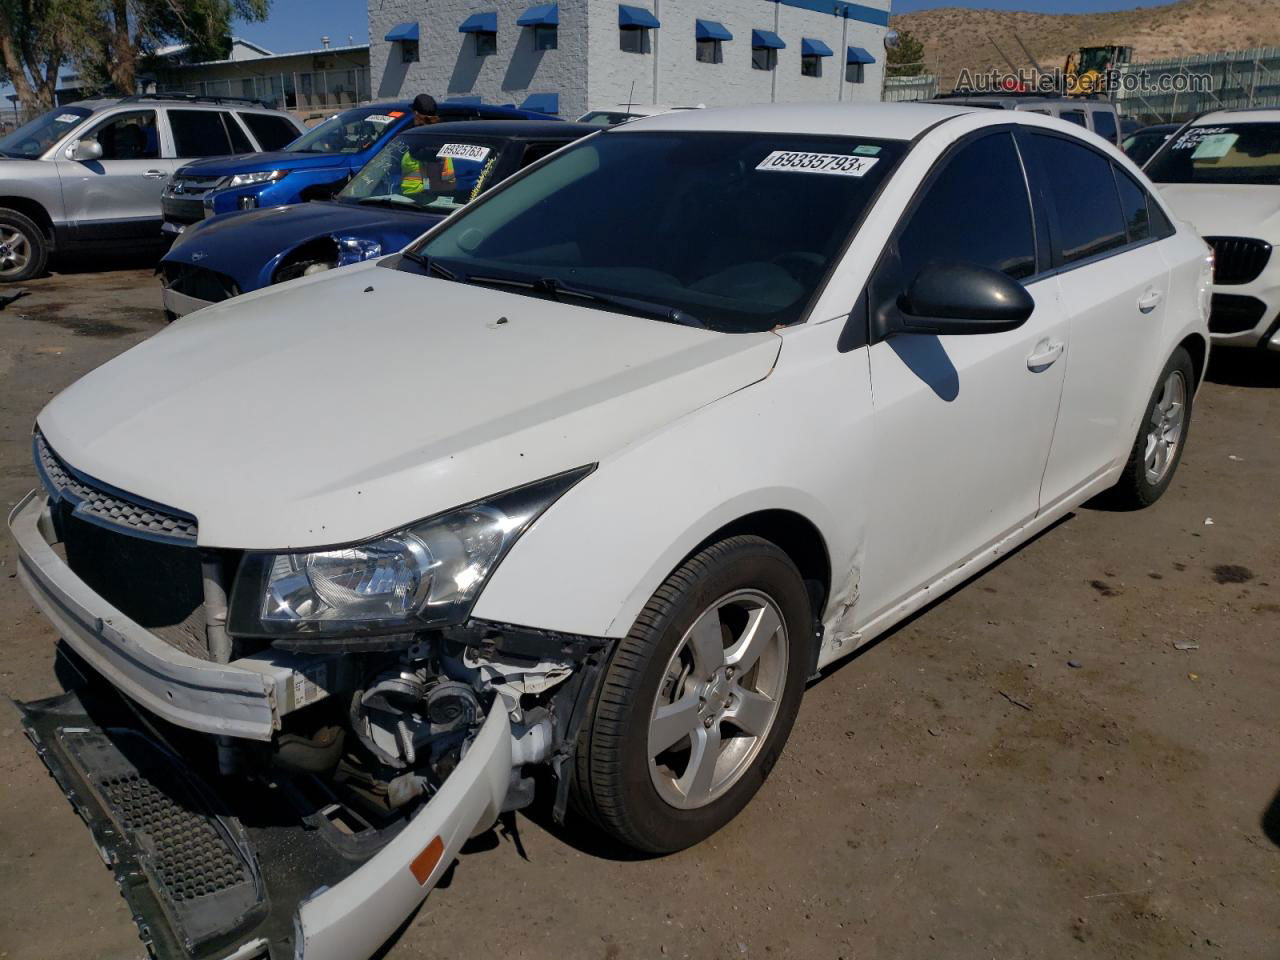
(839, 164)
(1191, 138)
(378, 118)
(462, 151)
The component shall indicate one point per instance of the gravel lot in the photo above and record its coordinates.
(957, 790)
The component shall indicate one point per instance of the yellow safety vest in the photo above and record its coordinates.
(412, 179)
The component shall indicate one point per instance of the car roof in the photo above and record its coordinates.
(512, 129)
(208, 103)
(888, 121)
(1250, 115)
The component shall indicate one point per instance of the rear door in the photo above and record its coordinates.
(963, 424)
(118, 196)
(1115, 283)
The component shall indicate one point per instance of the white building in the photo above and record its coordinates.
(573, 55)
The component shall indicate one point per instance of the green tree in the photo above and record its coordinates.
(907, 58)
(37, 38)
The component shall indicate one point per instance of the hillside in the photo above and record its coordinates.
(955, 37)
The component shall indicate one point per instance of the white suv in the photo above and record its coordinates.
(1222, 175)
(586, 479)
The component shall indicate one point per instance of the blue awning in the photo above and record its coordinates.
(859, 55)
(767, 38)
(711, 30)
(810, 47)
(480, 23)
(542, 103)
(636, 17)
(403, 31)
(543, 15)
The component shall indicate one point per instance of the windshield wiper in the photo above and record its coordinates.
(429, 265)
(555, 288)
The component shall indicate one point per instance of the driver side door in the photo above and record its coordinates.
(118, 196)
(962, 423)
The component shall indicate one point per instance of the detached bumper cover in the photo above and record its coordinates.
(245, 698)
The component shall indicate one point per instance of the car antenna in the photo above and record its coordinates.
(631, 97)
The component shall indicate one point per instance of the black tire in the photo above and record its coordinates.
(1135, 489)
(612, 782)
(34, 244)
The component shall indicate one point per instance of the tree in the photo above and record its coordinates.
(907, 58)
(36, 39)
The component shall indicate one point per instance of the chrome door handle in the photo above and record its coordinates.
(154, 174)
(1149, 301)
(1046, 353)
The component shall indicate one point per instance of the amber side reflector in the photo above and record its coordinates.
(426, 861)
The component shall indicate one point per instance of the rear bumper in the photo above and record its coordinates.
(246, 698)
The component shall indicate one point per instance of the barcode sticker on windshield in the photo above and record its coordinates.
(67, 118)
(840, 164)
(378, 119)
(462, 151)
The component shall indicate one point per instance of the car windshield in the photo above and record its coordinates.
(437, 173)
(351, 131)
(1229, 153)
(733, 230)
(35, 137)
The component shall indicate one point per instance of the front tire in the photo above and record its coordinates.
(1162, 435)
(23, 248)
(699, 698)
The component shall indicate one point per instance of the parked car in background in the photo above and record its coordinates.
(90, 174)
(315, 166)
(377, 212)
(1141, 145)
(1092, 113)
(1222, 175)
(592, 478)
(612, 116)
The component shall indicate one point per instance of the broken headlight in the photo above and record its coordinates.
(428, 574)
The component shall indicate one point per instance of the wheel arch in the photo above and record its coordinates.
(1198, 347)
(32, 210)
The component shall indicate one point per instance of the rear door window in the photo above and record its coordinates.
(240, 142)
(199, 133)
(1074, 116)
(1082, 191)
(272, 133)
(1104, 125)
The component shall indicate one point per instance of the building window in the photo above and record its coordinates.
(710, 51)
(409, 51)
(763, 58)
(853, 72)
(633, 39)
(546, 38)
(810, 66)
(486, 43)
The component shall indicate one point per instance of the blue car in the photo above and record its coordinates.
(416, 180)
(315, 166)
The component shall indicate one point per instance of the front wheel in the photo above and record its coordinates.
(1162, 434)
(23, 249)
(699, 698)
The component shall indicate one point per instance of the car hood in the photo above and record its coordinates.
(241, 244)
(253, 162)
(350, 403)
(1230, 210)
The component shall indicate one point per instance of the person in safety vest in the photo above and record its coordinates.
(413, 176)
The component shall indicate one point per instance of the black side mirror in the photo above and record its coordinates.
(960, 298)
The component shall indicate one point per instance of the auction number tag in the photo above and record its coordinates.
(839, 164)
(462, 151)
(67, 118)
(378, 118)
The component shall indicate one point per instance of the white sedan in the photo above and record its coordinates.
(1222, 175)
(594, 477)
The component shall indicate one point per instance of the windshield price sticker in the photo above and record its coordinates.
(462, 151)
(378, 119)
(839, 164)
(1216, 146)
(67, 118)
(1191, 138)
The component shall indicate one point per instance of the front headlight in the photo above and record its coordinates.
(428, 574)
(249, 179)
(355, 249)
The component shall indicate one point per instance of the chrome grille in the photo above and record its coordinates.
(191, 186)
(97, 503)
(1238, 260)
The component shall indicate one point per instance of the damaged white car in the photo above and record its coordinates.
(579, 490)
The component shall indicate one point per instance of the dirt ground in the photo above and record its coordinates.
(958, 790)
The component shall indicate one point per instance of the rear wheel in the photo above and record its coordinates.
(23, 248)
(699, 698)
(1157, 450)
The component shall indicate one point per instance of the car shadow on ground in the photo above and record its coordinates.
(133, 257)
(1271, 820)
(1239, 367)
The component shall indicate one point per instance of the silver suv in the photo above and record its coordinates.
(90, 173)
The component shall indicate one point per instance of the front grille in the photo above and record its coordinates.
(207, 285)
(1231, 313)
(178, 210)
(99, 504)
(137, 556)
(1238, 260)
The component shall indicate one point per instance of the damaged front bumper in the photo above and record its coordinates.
(212, 873)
